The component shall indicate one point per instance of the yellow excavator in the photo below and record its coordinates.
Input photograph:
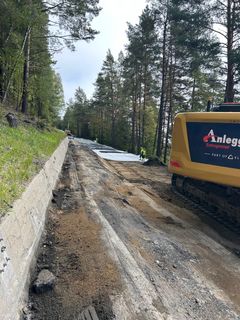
(205, 159)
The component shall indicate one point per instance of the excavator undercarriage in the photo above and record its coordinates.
(221, 202)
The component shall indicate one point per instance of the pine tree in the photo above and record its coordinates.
(140, 72)
(226, 24)
(184, 36)
(27, 79)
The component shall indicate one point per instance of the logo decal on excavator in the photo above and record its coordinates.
(214, 143)
(224, 140)
(209, 136)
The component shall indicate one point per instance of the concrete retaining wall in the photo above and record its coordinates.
(20, 233)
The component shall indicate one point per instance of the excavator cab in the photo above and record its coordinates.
(228, 107)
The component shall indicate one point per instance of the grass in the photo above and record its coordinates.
(23, 151)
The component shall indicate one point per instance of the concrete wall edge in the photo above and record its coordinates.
(20, 233)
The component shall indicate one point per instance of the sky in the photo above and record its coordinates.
(81, 67)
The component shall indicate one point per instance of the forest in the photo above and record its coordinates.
(181, 56)
(31, 31)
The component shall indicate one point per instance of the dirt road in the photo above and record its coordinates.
(118, 239)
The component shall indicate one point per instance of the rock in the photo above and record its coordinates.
(26, 313)
(55, 194)
(44, 282)
(124, 200)
(154, 161)
(12, 120)
(31, 306)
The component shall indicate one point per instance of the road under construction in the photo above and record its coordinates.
(119, 240)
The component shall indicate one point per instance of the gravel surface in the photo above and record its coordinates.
(118, 239)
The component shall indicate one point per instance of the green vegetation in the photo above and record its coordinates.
(28, 41)
(29, 85)
(181, 56)
(23, 151)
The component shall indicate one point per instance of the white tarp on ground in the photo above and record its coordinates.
(118, 156)
(109, 153)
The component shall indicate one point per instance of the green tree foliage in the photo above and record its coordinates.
(226, 24)
(73, 19)
(177, 59)
(140, 73)
(77, 116)
(27, 79)
(189, 54)
(109, 105)
(124, 102)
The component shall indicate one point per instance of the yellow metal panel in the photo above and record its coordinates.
(218, 117)
(180, 153)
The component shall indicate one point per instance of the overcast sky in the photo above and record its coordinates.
(80, 68)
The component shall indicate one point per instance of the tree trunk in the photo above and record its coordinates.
(169, 118)
(2, 66)
(113, 117)
(164, 121)
(133, 138)
(229, 92)
(193, 93)
(155, 138)
(26, 74)
(15, 64)
(1, 83)
(79, 133)
(161, 107)
(100, 137)
(139, 135)
(144, 105)
(113, 137)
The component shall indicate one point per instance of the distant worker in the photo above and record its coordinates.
(142, 153)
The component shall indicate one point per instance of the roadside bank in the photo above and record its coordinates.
(20, 232)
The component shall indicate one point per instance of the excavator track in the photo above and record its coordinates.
(221, 203)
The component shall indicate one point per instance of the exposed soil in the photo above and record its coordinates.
(118, 239)
(72, 249)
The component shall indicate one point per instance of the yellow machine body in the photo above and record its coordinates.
(206, 146)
